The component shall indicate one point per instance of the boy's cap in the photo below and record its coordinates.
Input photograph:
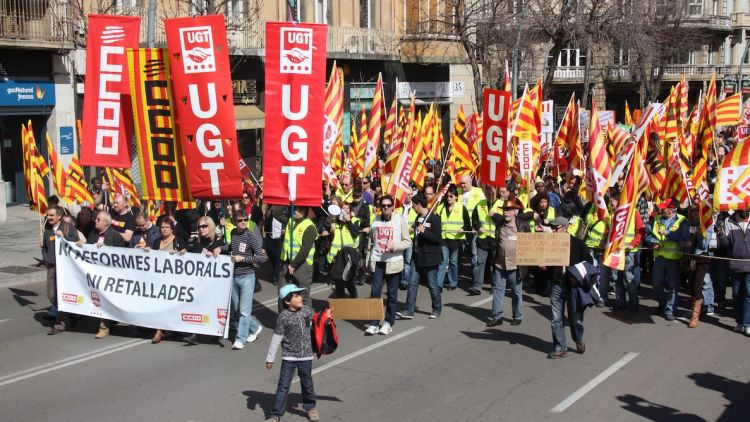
(289, 288)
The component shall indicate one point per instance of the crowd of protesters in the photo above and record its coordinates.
(359, 235)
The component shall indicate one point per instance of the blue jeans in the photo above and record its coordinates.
(450, 261)
(243, 287)
(606, 276)
(559, 296)
(304, 371)
(479, 268)
(666, 271)
(421, 273)
(626, 280)
(719, 270)
(474, 250)
(708, 293)
(499, 280)
(741, 298)
(405, 277)
(391, 281)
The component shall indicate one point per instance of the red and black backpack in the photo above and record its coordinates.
(324, 337)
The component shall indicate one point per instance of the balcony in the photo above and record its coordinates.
(710, 22)
(347, 42)
(36, 24)
(741, 20)
(674, 72)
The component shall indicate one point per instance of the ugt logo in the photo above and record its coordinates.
(296, 50)
(197, 49)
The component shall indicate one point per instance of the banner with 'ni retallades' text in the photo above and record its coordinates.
(202, 86)
(295, 104)
(160, 154)
(494, 164)
(186, 293)
(107, 121)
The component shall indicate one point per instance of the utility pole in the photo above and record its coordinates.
(151, 28)
(517, 46)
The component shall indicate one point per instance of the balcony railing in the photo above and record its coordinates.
(364, 41)
(674, 72)
(714, 22)
(36, 23)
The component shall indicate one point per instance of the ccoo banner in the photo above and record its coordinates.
(107, 121)
(202, 85)
(494, 164)
(295, 99)
(160, 155)
(187, 293)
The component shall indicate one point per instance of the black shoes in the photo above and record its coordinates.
(474, 292)
(581, 347)
(516, 322)
(494, 322)
(557, 354)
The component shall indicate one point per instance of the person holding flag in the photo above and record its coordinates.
(665, 237)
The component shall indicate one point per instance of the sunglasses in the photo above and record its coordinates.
(241, 220)
(386, 205)
(203, 226)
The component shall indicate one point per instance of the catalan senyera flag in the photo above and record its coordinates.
(703, 195)
(122, 183)
(334, 114)
(599, 169)
(397, 142)
(38, 169)
(390, 125)
(732, 189)
(161, 156)
(568, 137)
(359, 165)
(460, 152)
(628, 116)
(618, 137)
(728, 111)
(527, 129)
(353, 149)
(624, 214)
(373, 130)
(57, 171)
(506, 79)
(419, 171)
(707, 121)
(655, 167)
(76, 188)
(399, 180)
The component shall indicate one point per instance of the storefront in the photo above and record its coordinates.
(21, 102)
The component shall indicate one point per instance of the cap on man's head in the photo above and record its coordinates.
(669, 203)
(513, 204)
(559, 221)
(289, 288)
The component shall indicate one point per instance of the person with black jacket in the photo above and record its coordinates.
(560, 295)
(426, 257)
(104, 235)
(56, 228)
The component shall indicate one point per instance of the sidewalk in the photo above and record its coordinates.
(19, 248)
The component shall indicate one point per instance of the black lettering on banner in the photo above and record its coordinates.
(162, 149)
(199, 268)
(190, 294)
(178, 267)
(102, 258)
(181, 296)
(136, 289)
(116, 260)
(189, 267)
(173, 291)
(128, 261)
(162, 292)
(152, 88)
(166, 176)
(167, 268)
(120, 284)
(156, 265)
(93, 280)
(225, 267)
(158, 119)
(64, 248)
(110, 284)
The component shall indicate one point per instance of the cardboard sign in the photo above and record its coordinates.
(357, 309)
(548, 249)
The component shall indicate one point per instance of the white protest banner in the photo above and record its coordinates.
(155, 289)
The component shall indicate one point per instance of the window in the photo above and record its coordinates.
(323, 11)
(433, 16)
(365, 14)
(621, 57)
(235, 8)
(695, 7)
(682, 56)
(570, 57)
(295, 10)
(515, 7)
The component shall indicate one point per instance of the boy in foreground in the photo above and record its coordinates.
(292, 332)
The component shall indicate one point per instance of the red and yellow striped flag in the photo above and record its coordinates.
(397, 142)
(373, 131)
(122, 183)
(390, 125)
(618, 137)
(460, 152)
(37, 169)
(599, 169)
(58, 173)
(359, 164)
(76, 188)
(728, 111)
(569, 137)
(334, 114)
(419, 170)
(732, 188)
(628, 116)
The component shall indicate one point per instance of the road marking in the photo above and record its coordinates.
(593, 383)
(481, 302)
(361, 352)
(272, 301)
(73, 360)
(4, 320)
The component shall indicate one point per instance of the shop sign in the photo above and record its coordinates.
(24, 94)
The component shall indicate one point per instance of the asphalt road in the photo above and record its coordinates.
(636, 367)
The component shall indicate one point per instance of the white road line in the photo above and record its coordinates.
(361, 352)
(593, 383)
(272, 301)
(64, 363)
(481, 302)
(4, 320)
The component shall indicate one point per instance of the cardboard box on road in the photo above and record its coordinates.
(357, 309)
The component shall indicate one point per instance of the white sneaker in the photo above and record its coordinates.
(371, 330)
(254, 336)
(746, 331)
(238, 345)
(385, 329)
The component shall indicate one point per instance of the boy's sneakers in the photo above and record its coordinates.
(371, 330)
(313, 414)
(254, 336)
(238, 345)
(404, 315)
(434, 315)
(272, 419)
(385, 329)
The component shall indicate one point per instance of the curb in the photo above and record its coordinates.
(22, 279)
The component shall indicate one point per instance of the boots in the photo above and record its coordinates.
(697, 305)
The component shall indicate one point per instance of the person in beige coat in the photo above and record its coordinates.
(389, 238)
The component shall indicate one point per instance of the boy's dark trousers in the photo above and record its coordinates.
(304, 371)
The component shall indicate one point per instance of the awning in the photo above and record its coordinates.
(249, 117)
(418, 101)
